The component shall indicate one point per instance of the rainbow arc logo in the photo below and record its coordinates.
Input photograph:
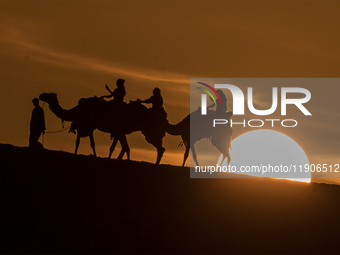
(209, 93)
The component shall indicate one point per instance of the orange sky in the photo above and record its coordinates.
(73, 48)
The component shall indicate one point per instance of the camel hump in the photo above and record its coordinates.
(90, 100)
(92, 103)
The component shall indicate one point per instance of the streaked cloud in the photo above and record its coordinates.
(47, 55)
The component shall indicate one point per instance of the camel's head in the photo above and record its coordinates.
(49, 98)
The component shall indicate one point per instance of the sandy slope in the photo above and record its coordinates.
(55, 202)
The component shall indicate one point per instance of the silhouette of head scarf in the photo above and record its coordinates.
(120, 83)
(221, 94)
(156, 91)
(35, 101)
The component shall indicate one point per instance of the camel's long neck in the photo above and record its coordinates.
(174, 129)
(67, 115)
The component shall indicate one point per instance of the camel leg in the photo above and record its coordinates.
(186, 153)
(160, 149)
(160, 152)
(193, 151)
(223, 160)
(113, 146)
(157, 142)
(125, 148)
(226, 153)
(92, 144)
(228, 157)
(77, 143)
(128, 152)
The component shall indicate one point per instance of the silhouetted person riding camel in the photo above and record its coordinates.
(156, 120)
(118, 94)
(157, 111)
(37, 125)
(195, 127)
(156, 100)
(118, 102)
(220, 108)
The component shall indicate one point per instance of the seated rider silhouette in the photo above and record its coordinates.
(156, 99)
(117, 104)
(157, 111)
(118, 94)
(220, 108)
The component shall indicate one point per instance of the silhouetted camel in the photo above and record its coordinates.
(96, 113)
(202, 127)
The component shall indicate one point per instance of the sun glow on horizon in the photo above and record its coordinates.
(268, 153)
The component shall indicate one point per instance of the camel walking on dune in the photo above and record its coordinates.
(95, 113)
(195, 127)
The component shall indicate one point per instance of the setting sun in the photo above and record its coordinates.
(267, 153)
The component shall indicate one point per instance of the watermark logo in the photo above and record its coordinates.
(239, 104)
(263, 127)
(238, 99)
(204, 97)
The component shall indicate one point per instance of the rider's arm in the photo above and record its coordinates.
(108, 96)
(107, 87)
(148, 101)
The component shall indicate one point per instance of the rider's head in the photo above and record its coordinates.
(156, 91)
(221, 94)
(35, 101)
(120, 83)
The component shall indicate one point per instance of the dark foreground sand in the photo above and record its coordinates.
(55, 202)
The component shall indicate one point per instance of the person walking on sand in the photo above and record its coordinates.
(37, 125)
